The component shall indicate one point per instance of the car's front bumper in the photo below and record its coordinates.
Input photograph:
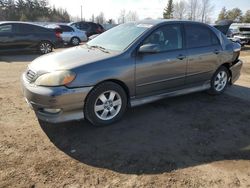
(70, 102)
(235, 70)
(243, 40)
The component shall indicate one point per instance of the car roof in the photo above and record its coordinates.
(19, 22)
(162, 21)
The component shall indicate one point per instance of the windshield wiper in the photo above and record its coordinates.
(99, 47)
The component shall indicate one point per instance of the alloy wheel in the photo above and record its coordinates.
(220, 81)
(108, 105)
(75, 41)
(45, 48)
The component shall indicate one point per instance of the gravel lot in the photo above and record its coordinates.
(190, 141)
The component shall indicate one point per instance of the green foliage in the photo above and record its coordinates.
(169, 10)
(31, 10)
(223, 14)
(247, 17)
(234, 14)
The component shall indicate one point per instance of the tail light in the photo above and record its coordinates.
(58, 34)
(99, 30)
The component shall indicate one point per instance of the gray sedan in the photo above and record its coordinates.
(127, 66)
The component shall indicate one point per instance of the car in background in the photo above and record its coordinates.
(90, 27)
(21, 36)
(69, 34)
(224, 27)
(130, 65)
(243, 34)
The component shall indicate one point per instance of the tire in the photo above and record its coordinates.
(219, 81)
(105, 104)
(75, 41)
(45, 47)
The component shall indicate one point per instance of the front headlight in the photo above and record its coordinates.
(57, 78)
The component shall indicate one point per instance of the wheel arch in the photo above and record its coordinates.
(48, 42)
(75, 37)
(118, 82)
(227, 65)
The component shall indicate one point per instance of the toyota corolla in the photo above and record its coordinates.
(130, 65)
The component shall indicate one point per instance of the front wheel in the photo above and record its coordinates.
(105, 104)
(219, 81)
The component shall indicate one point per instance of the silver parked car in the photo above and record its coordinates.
(69, 34)
(129, 65)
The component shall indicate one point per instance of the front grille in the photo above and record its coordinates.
(30, 75)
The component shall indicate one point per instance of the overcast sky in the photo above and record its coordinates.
(144, 8)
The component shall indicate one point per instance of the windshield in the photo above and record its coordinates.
(120, 37)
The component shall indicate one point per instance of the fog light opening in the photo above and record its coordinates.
(51, 111)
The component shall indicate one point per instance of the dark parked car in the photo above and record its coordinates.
(130, 65)
(90, 27)
(19, 36)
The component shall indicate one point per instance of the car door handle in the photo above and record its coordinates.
(216, 51)
(181, 57)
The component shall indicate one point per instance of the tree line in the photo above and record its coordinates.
(201, 10)
(31, 10)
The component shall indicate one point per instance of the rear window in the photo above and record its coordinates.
(199, 36)
(66, 28)
(6, 28)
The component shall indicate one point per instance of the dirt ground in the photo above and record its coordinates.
(190, 141)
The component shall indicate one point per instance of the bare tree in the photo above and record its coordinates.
(206, 9)
(180, 9)
(193, 9)
(132, 16)
(100, 18)
(122, 17)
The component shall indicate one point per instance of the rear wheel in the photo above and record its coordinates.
(75, 41)
(105, 104)
(45, 47)
(219, 81)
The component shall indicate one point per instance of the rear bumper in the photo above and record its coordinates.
(236, 71)
(58, 44)
(70, 102)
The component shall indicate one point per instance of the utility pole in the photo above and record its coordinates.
(81, 12)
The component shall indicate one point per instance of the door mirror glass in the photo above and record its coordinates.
(150, 48)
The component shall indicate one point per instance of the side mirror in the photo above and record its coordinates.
(149, 48)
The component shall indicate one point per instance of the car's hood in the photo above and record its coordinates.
(68, 59)
(223, 26)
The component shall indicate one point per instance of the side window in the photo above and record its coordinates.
(25, 28)
(66, 28)
(167, 38)
(7, 28)
(199, 36)
(85, 26)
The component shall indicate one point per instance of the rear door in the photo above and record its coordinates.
(7, 37)
(26, 36)
(203, 49)
(165, 70)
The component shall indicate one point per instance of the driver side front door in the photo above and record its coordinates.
(165, 70)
